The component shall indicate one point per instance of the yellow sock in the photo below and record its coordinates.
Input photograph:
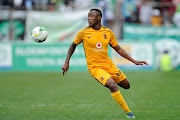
(120, 100)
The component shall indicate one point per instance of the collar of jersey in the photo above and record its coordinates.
(96, 30)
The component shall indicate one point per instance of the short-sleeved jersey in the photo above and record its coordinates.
(95, 44)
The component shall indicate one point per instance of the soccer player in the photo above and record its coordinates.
(95, 39)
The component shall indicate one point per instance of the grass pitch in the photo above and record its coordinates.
(77, 96)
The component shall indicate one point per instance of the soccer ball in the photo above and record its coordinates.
(39, 34)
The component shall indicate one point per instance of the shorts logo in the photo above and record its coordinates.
(105, 36)
(102, 78)
(99, 45)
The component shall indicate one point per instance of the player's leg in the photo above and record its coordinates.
(120, 79)
(111, 85)
(116, 95)
(124, 84)
(105, 79)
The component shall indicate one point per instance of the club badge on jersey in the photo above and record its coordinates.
(105, 36)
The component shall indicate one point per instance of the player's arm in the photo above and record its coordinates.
(124, 54)
(71, 50)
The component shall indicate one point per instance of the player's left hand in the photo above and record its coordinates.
(65, 68)
(140, 63)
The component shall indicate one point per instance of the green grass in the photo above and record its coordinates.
(77, 96)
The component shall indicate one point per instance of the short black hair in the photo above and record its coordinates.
(98, 11)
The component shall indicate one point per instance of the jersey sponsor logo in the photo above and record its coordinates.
(105, 36)
(99, 45)
(98, 49)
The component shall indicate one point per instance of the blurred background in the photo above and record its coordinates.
(147, 29)
(31, 82)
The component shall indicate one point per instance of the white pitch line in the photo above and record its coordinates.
(85, 105)
(78, 105)
(176, 106)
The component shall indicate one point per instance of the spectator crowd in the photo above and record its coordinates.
(146, 12)
(151, 12)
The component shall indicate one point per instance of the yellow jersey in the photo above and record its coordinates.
(95, 43)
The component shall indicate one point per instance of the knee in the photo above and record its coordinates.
(124, 84)
(111, 85)
(127, 86)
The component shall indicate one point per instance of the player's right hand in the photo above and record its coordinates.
(65, 68)
(140, 63)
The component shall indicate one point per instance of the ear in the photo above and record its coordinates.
(99, 18)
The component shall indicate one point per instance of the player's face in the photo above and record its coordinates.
(93, 18)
